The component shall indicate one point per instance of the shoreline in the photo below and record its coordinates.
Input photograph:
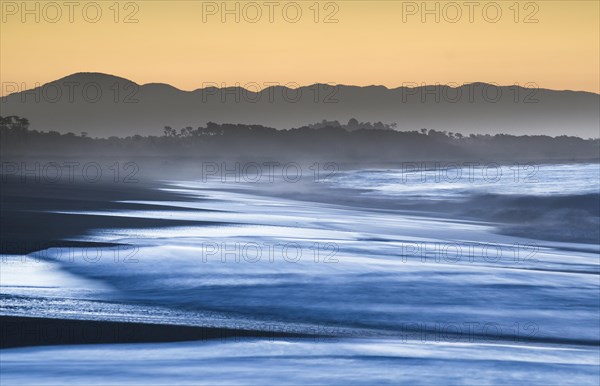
(25, 331)
(31, 221)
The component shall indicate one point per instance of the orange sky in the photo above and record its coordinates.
(372, 42)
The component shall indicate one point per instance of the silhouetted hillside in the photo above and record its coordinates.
(105, 105)
(334, 142)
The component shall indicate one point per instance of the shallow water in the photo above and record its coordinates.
(431, 300)
(342, 362)
(453, 180)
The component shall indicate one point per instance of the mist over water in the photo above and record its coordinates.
(460, 180)
(344, 267)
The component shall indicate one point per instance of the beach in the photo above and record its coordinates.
(335, 271)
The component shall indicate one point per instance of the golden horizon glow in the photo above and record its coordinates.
(370, 44)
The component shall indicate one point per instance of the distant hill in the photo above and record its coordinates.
(104, 105)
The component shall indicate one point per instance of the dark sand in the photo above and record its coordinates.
(27, 225)
(17, 331)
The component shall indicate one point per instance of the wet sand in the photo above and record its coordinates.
(16, 331)
(29, 223)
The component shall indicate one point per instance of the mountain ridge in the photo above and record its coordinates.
(104, 105)
(372, 86)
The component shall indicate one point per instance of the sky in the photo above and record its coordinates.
(191, 44)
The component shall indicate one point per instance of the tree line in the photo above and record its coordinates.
(355, 141)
